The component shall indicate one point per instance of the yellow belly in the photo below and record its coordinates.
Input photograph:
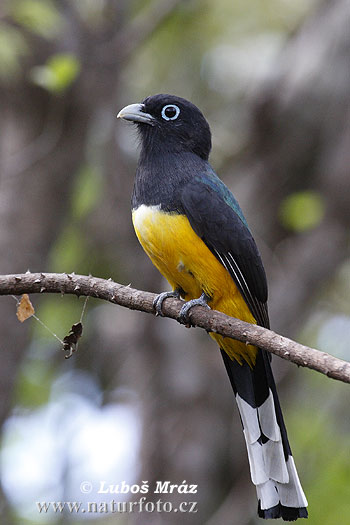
(186, 262)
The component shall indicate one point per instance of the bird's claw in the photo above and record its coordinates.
(187, 307)
(158, 301)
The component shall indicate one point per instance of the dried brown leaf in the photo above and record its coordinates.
(25, 308)
(70, 341)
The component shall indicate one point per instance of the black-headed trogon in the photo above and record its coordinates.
(194, 231)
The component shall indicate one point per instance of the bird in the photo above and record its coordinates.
(194, 231)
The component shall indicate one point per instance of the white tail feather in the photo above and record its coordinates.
(275, 478)
(267, 494)
(291, 493)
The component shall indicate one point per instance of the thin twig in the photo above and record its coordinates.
(210, 320)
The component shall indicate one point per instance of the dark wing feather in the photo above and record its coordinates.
(215, 216)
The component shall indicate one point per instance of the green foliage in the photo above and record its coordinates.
(326, 466)
(69, 250)
(86, 192)
(34, 381)
(58, 315)
(12, 47)
(196, 28)
(58, 74)
(302, 210)
(39, 16)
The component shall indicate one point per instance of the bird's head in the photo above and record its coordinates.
(170, 123)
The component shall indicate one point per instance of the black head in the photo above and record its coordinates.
(168, 123)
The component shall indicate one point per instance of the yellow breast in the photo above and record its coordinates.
(187, 263)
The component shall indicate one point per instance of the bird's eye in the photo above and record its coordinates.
(170, 112)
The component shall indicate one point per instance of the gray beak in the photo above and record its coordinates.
(135, 113)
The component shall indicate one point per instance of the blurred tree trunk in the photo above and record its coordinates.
(300, 140)
(42, 145)
(177, 374)
(292, 147)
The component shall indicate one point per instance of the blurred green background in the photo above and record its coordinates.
(144, 399)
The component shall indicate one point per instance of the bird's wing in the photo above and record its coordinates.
(216, 217)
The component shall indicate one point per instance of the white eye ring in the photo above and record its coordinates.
(172, 106)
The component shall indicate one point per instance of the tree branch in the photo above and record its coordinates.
(210, 320)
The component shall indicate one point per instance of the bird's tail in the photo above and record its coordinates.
(271, 463)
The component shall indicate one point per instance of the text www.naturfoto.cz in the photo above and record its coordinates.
(74, 507)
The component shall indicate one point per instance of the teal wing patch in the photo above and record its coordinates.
(216, 217)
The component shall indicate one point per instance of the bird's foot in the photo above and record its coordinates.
(187, 307)
(158, 301)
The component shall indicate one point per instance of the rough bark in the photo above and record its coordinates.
(211, 321)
